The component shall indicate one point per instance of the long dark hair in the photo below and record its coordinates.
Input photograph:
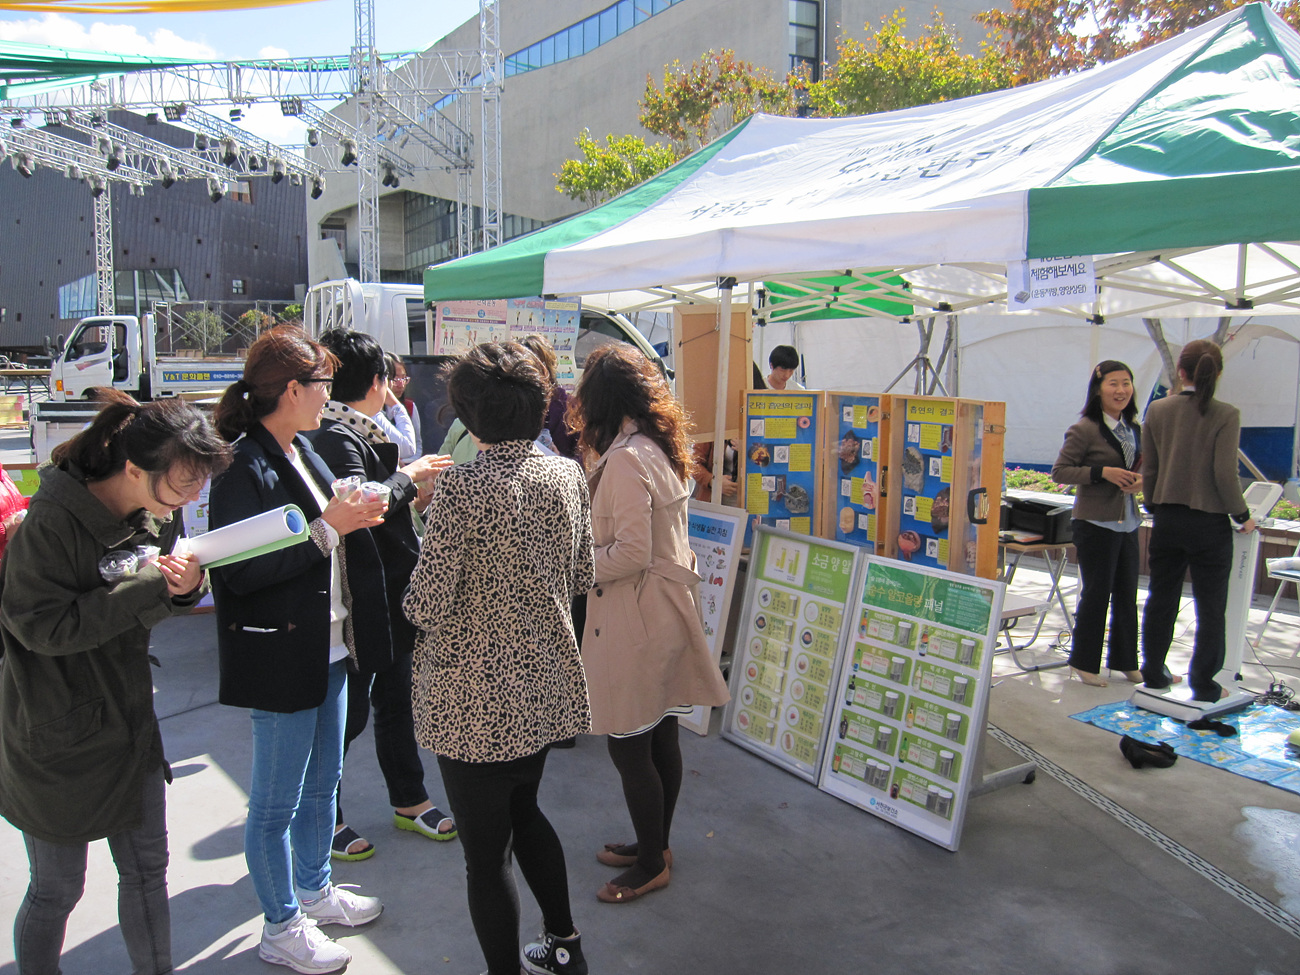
(1202, 360)
(155, 437)
(279, 356)
(619, 383)
(1092, 407)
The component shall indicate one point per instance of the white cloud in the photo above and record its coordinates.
(270, 51)
(59, 31)
(268, 122)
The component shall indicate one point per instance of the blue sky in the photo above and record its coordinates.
(319, 28)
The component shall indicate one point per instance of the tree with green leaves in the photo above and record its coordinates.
(889, 72)
(1045, 38)
(606, 170)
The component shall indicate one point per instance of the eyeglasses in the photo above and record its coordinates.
(398, 380)
(326, 381)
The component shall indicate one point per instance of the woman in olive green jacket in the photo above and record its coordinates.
(81, 756)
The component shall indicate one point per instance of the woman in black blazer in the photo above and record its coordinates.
(353, 445)
(286, 623)
(1101, 456)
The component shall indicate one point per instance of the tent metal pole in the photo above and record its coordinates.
(725, 286)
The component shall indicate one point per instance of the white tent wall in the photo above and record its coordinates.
(1038, 365)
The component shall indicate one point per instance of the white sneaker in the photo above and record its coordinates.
(302, 947)
(341, 906)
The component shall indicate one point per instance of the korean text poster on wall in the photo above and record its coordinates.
(781, 472)
(912, 696)
(855, 455)
(792, 625)
(715, 533)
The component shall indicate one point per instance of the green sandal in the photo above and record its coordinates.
(344, 840)
(429, 823)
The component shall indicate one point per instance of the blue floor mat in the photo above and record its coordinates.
(1259, 751)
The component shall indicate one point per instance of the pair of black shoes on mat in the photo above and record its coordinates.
(1141, 754)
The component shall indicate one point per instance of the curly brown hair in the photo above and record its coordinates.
(619, 383)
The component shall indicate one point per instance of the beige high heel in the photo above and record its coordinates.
(1092, 680)
(1133, 676)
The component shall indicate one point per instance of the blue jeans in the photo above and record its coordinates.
(297, 761)
(58, 878)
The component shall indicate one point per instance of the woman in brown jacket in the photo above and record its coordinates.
(644, 648)
(1101, 455)
(1191, 488)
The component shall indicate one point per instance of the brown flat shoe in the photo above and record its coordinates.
(610, 894)
(610, 858)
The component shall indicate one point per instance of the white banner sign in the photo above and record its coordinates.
(1048, 282)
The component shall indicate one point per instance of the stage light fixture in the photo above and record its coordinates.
(174, 112)
(295, 179)
(114, 159)
(236, 114)
(97, 186)
(313, 137)
(151, 118)
(168, 180)
(200, 142)
(216, 190)
(349, 157)
(105, 146)
(390, 178)
(16, 122)
(277, 169)
(317, 187)
(53, 120)
(229, 151)
(254, 163)
(97, 119)
(137, 189)
(24, 164)
(291, 106)
(73, 171)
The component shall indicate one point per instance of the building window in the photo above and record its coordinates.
(237, 286)
(805, 37)
(241, 191)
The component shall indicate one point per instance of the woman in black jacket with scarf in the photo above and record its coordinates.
(353, 445)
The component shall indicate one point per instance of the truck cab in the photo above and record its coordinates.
(102, 351)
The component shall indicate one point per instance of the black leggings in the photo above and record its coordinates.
(495, 805)
(650, 765)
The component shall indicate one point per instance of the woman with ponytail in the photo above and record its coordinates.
(1191, 488)
(286, 626)
(81, 755)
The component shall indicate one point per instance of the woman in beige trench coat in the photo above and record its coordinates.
(643, 648)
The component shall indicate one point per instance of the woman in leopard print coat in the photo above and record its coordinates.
(497, 676)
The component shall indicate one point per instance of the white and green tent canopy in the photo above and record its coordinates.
(1151, 164)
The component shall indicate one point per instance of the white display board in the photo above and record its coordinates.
(715, 535)
(792, 626)
(911, 700)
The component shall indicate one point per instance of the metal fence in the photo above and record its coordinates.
(218, 327)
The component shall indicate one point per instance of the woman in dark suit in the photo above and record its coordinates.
(287, 622)
(1101, 456)
(353, 445)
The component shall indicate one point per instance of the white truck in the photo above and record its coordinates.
(395, 314)
(118, 351)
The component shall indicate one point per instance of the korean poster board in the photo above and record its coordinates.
(945, 476)
(715, 534)
(792, 624)
(911, 699)
(853, 459)
(781, 468)
(460, 325)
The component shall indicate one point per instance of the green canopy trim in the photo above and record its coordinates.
(517, 269)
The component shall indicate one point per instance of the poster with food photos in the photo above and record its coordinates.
(855, 456)
(780, 463)
(911, 699)
(926, 462)
(715, 533)
(792, 624)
